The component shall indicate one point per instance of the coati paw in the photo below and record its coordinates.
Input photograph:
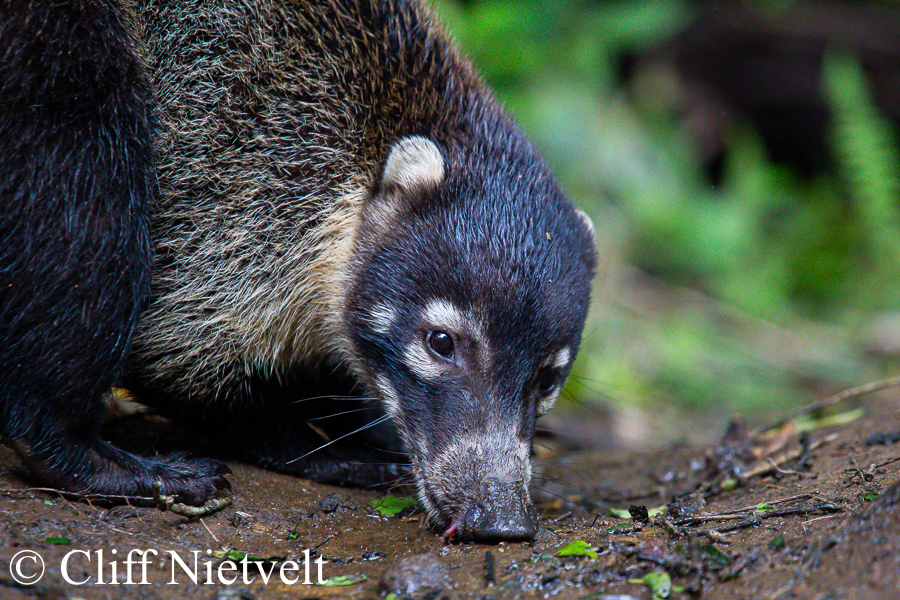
(104, 471)
(191, 481)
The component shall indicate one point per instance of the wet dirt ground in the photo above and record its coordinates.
(798, 515)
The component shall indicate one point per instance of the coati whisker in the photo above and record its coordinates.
(337, 439)
(338, 398)
(338, 414)
(554, 494)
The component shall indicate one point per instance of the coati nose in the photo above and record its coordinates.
(503, 513)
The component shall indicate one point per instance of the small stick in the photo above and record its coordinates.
(76, 495)
(315, 549)
(715, 536)
(666, 524)
(741, 513)
(72, 506)
(778, 469)
(805, 523)
(860, 390)
(794, 498)
(801, 510)
(705, 518)
(208, 530)
(884, 464)
(749, 522)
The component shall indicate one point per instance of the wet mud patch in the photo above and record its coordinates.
(793, 514)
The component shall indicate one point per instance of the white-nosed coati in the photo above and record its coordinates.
(337, 205)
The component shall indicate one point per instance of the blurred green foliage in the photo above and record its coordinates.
(748, 293)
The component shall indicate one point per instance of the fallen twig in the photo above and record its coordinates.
(860, 390)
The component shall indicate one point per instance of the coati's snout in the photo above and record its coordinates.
(476, 488)
(469, 293)
(504, 512)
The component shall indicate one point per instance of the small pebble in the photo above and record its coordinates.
(413, 574)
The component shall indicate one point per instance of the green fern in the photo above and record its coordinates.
(866, 149)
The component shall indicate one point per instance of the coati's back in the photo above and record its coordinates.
(274, 119)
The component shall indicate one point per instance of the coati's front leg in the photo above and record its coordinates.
(92, 467)
(77, 179)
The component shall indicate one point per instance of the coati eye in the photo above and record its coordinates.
(441, 344)
(547, 382)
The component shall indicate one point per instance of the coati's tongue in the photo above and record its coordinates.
(451, 531)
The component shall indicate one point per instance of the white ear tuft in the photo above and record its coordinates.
(587, 220)
(414, 163)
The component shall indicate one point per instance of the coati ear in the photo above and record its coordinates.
(587, 220)
(415, 163)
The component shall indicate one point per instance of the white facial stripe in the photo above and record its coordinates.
(389, 397)
(559, 360)
(562, 358)
(383, 318)
(547, 402)
(416, 357)
(443, 314)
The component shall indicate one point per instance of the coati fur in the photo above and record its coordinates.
(338, 206)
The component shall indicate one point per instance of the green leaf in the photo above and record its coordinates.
(813, 421)
(777, 543)
(763, 507)
(578, 548)
(342, 580)
(390, 506)
(715, 556)
(56, 540)
(728, 484)
(659, 582)
(620, 513)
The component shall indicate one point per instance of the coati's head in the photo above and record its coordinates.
(469, 292)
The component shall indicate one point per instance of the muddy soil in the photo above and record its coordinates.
(813, 515)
